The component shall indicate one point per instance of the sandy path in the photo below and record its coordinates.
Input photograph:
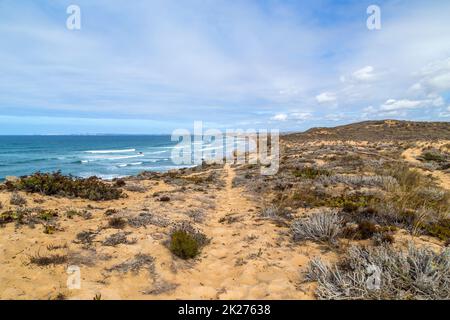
(244, 259)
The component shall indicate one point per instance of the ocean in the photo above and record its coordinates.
(104, 156)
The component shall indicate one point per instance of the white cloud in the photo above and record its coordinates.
(335, 117)
(364, 74)
(326, 97)
(392, 104)
(280, 117)
(438, 102)
(300, 115)
(435, 77)
(297, 116)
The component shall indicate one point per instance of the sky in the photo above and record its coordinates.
(153, 66)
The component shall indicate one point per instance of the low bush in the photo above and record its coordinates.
(275, 212)
(383, 272)
(56, 184)
(183, 245)
(47, 215)
(439, 229)
(186, 241)
(135, 264)
(432, 156)
(118, 238)
(117, 223)
(362, 231)
(309, 173)
(44, 261)
(17, 200)
(324, 226)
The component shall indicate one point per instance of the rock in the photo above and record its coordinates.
(11, 179)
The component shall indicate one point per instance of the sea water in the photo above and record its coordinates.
(104, 156)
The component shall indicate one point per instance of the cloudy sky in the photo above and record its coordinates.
(153, 66)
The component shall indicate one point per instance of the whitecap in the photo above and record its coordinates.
(111, 151)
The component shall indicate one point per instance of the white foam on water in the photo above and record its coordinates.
(110, 151)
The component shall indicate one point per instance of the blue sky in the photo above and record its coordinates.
(154, 66)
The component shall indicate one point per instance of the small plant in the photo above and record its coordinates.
(183, 245)
(350, 206)
(117, 223)
(383, 238)
(309, 173)
(49, 229)
(363, 231)
(17, 200)
(54, 259)
(86, 237)
(60, 296)
(275, 212)
(136, 264)
(47, 215)
(7, 217)
(98, 296)
(186, 241)
(111, 212)
(324, 226)
(71, 214)
(118, 238)
(432, 156)
(120, 183)
(439, 229)
(144, 219)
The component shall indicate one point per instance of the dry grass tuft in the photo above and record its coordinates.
(384, 272)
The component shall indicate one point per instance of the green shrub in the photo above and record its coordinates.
(310, 173)
(440, 229)
(432, 156)
(47, 215)
(49, 229)
(183, 245)
(7, 217)
(56, 184)
(363, 231)
(350, 206)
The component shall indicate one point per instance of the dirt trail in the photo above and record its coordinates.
(243, 260)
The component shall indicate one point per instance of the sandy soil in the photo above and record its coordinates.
(411, 154)
(248, 258)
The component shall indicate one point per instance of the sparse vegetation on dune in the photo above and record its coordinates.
(56, 184)
(350, 203)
